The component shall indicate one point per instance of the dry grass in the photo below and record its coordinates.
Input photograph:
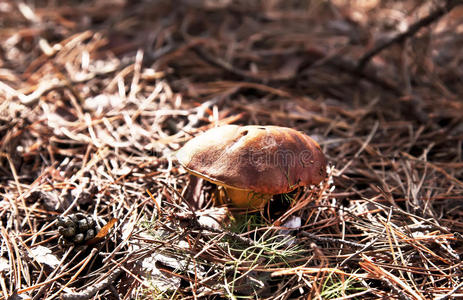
(96, 97)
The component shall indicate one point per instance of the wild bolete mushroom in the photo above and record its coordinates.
(254, 162)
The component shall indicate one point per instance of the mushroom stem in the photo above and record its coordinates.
(247, 199)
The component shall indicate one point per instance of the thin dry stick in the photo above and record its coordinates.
(315, 270)
(333, 240)
(367, 246)
(414, 28)
(449, 294)
(90, 291)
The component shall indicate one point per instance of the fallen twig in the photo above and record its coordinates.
(449, 294)
(90, 291)
(414, 28)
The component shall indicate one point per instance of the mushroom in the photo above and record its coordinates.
(254, 162)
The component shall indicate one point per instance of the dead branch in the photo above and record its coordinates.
(412, 30)
(90, 291)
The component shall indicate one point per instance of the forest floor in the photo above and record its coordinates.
(97, 96)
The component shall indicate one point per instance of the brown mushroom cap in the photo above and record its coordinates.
(263, 159)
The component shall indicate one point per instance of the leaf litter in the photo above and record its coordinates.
(97, 96)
